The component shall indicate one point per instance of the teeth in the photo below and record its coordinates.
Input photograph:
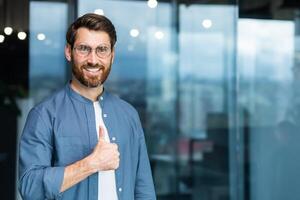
(93, 69)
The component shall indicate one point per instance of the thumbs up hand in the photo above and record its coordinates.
(101, 135)
(105, 155)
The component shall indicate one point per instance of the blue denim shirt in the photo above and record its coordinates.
(61, 130)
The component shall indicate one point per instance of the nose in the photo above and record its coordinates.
(92, 57)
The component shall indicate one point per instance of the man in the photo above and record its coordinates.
(84, 143)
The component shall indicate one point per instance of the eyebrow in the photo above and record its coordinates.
(102, 44)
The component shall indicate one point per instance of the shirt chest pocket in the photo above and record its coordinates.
(71, 134)
(72, 144)
(71, 149)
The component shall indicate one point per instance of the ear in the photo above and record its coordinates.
(113, 55)
(68, 52)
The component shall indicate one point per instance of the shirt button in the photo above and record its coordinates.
(113, 138)
(120, 189)
(104, 115)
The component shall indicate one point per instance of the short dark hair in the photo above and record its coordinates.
(94, 22)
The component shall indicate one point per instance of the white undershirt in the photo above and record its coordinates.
(106, 179)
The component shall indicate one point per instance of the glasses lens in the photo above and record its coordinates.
(103, 51)
(83, 50)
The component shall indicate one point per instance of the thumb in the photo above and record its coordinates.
(101, 134)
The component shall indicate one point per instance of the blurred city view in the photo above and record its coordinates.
(216, 85)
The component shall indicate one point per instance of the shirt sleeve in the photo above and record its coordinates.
(144, 187)
(38, 179)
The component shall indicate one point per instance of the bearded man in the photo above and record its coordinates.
(83, 143)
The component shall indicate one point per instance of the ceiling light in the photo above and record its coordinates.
(159, 35)
(207, 23)
(8, 30)
(2, 38)
(152, 3)
(22, 35)
(134, 32)
(41, 36)
(99, 12)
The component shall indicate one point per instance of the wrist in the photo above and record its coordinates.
(89, 164)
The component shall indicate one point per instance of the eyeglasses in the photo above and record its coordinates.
(102, 51)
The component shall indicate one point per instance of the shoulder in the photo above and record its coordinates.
(51, 104)
(121, 104)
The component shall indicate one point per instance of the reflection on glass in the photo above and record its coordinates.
(183, 85)
(206, 58)
(178, 83)
(48, 24)
(268, 94)
(144, 74)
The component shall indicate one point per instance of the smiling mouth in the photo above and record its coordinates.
(93, 69)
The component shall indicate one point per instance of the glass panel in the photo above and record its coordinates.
(269, 102)
(176, 64)
(47, 65)
(48, 24)
(145, 78)
(182, 85)
(207, 66)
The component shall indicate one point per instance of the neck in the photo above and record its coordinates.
(90, 93)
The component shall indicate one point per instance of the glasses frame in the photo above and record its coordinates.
(89, 49)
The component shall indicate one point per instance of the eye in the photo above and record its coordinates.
(84, 48)
(102, 49)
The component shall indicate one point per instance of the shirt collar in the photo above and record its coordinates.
(83, 99)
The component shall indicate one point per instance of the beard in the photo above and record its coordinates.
(91, 81)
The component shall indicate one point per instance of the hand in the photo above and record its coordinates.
(105, 156)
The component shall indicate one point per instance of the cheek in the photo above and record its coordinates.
(78, 63)
(77, 60)
(109, 62)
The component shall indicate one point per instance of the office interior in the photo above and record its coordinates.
(216, 84)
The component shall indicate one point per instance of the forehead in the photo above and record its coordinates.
(91, 37)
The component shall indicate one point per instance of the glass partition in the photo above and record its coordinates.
(269, 103)
(47, 65)
(214, 129)
(48, 70)
(207, 78)
(176, 64)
